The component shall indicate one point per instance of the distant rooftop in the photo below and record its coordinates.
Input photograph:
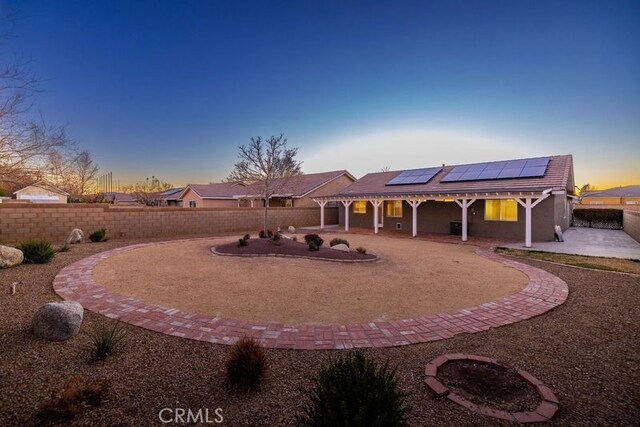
(626, 191)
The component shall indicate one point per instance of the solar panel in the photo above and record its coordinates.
(498, 170)
(414, 176)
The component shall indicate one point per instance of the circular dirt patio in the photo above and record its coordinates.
(417, 291)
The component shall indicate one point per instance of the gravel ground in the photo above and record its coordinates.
(586, 351)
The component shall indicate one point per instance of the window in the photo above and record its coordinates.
(192, 203)
(360, 207)
(394, 209)
(631, 202)
(501, 210)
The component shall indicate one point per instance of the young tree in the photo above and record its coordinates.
(84, 172)
(267, 165)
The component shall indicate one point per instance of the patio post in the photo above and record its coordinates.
(414, 207)
(322, 204)
(464, 204)
(528, 204)
(376, 204)
(347, 204)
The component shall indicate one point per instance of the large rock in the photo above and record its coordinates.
(341, 247)
(292, 229)
(10, 257)
(76, 236)
(58, 321)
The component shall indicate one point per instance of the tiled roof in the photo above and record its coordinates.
(112, 196)
(220, 190)
(627, 191)
(171, 194)
(300, 185)
(557, 177)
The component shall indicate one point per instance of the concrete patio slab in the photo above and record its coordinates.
(590, 242)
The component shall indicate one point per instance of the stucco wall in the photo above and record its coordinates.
(631, 224)
(54, 222)
(435, 217)
(206, 203)
(39, 191)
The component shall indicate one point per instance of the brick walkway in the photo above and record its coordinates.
(544, 292)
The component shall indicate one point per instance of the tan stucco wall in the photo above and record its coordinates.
(631, 224)
(333, 187)
(206, 203)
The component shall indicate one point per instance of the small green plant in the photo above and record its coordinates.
(265, 234)
(98, 235)
(64, 248)
(247, 365)
(242, 243)
(105, 339)
(246, 237)
(338, 241)
(37, 251)
(77, 394)
(276, 237)
(313, 238)
(361, 250)
(352, 391)
(313, 247)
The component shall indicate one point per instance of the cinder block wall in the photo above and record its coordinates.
(631, 224)
(55, 221)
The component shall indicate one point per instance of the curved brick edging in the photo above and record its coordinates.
(543, 412)
(544, 292)
(314, 258)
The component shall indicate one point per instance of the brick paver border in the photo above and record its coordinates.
(544, 292)
(545, 410)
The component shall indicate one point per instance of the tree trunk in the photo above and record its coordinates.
(266, 216)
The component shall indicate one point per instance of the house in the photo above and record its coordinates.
(512, 199)
(171, 197)
(296, 191)
(629, 195)
(120, 199)
(42, 193)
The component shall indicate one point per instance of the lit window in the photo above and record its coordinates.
(501, 210)
(360, 207)
(394, 209)
(192, 203)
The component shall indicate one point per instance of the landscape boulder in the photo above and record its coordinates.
(76, 236)
(57, 321)
(341, 247)
(10, 257)
(291, 229)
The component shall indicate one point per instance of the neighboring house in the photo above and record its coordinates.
(629, 195)
(42, 193)
(171, 197)
(297, 191)
(517, 199)
(121, 199)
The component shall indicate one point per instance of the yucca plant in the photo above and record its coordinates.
(247, 365)
(105, 339)
(352, 391)
(37, 251)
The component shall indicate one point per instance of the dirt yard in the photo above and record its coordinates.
(411, 278)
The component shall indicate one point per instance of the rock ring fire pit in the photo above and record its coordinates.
(489, 388)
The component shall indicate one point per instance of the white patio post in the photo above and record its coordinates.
(376, 204)
(322, 204)
(464, 204)
(528, 204)
(347, 204)
(414, 207)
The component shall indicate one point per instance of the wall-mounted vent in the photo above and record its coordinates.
(398, 226)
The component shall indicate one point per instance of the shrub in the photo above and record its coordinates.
(264, 235)
(105, 340)
(64, 248)
(242, 243)
(353, 391)
(77, 393)
(276, 236)
(313, 238)
(294, 238)
(37, 251)
(247, 365)
(361, 250)
(313, 247)
(246, 237)
(98, 235)
(338, 241)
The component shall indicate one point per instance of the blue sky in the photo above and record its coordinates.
(171, 88)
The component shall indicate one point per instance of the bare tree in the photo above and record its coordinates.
(148, 192)
(385, 169)
(267, 165)
(84, 171)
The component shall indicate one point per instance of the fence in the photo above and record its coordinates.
(598, 218)
(631, 224)
(54, 222)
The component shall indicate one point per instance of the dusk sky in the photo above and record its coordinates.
(171, 88)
